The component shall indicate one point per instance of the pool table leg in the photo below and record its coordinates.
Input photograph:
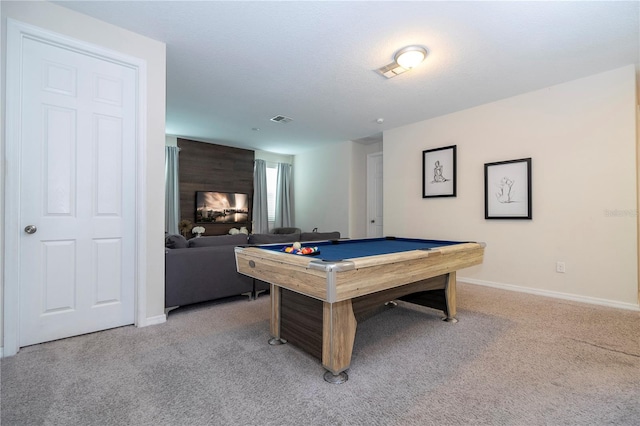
(450, 296)
(338, 335)
(275, 317)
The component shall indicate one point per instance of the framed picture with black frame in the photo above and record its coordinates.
(507, 189)
(439, 172)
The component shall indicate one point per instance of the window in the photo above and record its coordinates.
(272, 181)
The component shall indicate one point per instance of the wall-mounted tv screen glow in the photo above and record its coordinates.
(221, 207)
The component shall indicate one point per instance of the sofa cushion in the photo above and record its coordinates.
(285, 231)
(319, 236)
(218, 240)
(175, 241)
(273, 238)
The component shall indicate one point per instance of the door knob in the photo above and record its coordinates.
(30, 229)
(373, 221)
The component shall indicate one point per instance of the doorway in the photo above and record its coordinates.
(71, 210)
(374, 195)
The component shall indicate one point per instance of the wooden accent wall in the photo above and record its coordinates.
(209, 167)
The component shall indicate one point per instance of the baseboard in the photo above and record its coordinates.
(554, 294)
(158, 319)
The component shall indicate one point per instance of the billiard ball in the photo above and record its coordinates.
(296, 245)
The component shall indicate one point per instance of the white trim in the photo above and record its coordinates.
(16, 32)
(11, 292)
(141, 197)
(158, 319)
(554, 294)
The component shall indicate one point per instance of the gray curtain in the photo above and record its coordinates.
(172, 190)
(283, 197)
(260, 212)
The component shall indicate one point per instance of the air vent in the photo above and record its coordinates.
(281, 119)
(391, 70)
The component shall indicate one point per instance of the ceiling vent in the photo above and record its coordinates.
(391, 70)
(281, 119)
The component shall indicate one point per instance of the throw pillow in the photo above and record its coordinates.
(218, 240)
(319, 236)
(273, 238)
(175, 241)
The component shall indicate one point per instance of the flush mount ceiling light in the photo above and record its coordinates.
(410, 56)
(404, 59)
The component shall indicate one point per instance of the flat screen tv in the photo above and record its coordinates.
(221, 207)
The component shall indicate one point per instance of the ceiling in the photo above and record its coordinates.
(233, 65)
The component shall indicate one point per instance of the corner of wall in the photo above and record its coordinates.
(170, 140)
(638, 174)
(154, 320)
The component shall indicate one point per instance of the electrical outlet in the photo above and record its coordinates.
(560, 267)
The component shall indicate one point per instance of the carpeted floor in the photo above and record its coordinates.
(512, 359)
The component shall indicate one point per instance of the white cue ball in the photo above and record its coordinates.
(296, 245)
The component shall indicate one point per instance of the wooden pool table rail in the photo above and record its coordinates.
(336, 281)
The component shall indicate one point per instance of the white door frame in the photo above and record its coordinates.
(16, 32)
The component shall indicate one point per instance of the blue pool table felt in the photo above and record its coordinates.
(333, 251)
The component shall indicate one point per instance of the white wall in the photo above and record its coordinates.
(271, 157)
(322, 188)
(63, 21)
(330, 188)
(170, 140)
(581, 136)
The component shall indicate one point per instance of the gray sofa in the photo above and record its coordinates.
(203, 269)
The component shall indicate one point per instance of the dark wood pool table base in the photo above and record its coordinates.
(301, 317)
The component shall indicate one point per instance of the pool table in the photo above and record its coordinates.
(317, 300)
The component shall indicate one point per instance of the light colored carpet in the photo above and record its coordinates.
(512, 359)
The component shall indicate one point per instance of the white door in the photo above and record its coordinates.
(77, 191)
(374, 195)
